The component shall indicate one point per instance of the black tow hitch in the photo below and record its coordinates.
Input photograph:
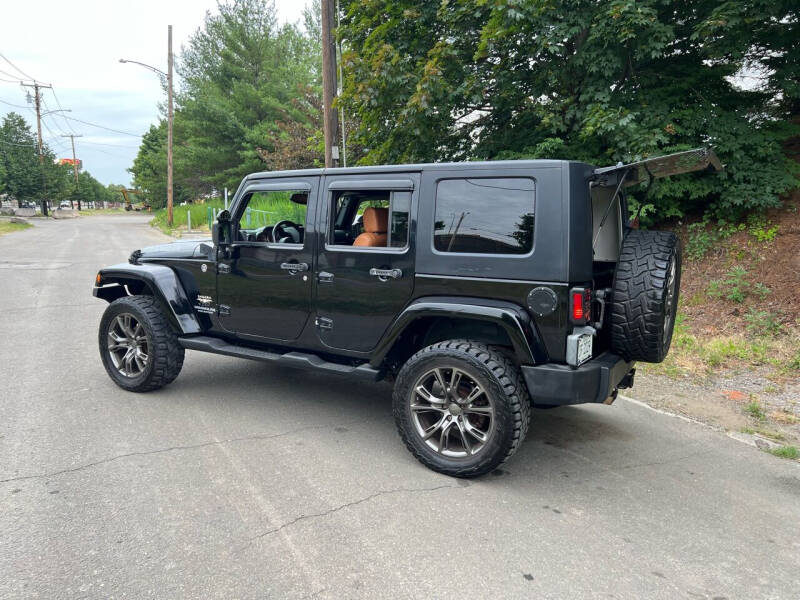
(627, 381)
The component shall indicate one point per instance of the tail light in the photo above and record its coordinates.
(580, 305)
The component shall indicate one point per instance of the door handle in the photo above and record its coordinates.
(386, 274)
(223, 268)
(294, 267)
(325, 277)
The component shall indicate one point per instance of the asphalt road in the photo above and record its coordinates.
(242, 480)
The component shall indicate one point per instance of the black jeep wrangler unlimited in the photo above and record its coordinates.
(481, 289)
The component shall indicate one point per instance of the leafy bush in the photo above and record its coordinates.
(762, 230)
(734, 287)
(703, 237)
(700, 241)
(760, 322)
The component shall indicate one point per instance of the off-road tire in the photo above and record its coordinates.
(499, 376)
(165, 353)
(642, 316)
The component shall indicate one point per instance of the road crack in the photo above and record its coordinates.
(110, 459)
(336, 509)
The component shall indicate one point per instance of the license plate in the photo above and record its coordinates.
(584, 348)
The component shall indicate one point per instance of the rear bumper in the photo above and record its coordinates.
(594, 381)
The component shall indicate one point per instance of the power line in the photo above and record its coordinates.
(16, 68)
(109, 145)
(103, 127)
(7, 74)
(50, 114)
(58, 103)
(14, 105)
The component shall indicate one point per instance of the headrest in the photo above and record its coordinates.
(299, 198)
(375, 220)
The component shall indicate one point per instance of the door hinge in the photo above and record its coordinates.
(324, 323)
(224, 310)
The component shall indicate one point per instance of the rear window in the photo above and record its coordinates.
(484, 215)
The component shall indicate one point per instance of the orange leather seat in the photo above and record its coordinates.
(375, 222)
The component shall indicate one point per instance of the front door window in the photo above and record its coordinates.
(274, 217)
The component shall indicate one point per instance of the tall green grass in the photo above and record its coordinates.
(265, 208)
(179, 215)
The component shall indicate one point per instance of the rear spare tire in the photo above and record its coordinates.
(645, 295)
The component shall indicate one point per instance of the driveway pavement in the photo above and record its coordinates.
(243, 480)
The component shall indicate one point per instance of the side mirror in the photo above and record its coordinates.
(221, 231)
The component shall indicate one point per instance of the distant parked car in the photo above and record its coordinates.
(64, 204)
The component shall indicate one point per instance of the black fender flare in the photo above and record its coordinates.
(512, 318)
(162, 281)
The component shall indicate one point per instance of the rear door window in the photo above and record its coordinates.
(484, 215)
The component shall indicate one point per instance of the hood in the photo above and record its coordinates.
(180, 249)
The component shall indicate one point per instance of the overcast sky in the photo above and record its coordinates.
(76, 47)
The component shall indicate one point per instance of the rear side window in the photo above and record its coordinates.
(370, 218)
(484, 215)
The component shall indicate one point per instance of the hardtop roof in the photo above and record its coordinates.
(415, 168)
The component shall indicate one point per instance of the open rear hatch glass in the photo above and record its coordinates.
(660, 166)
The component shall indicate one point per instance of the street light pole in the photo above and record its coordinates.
(169, 125)
(169, 78)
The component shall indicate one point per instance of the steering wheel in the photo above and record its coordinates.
(286, 228)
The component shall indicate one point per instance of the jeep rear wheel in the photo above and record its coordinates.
(645, 295)
(138, 345)
(461, 407)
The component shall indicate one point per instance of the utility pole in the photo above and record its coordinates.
(330, 118)
(72, 137)
(38, 103)
(169, 125)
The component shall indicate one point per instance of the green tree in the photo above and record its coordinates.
(595, 81)
(243, 74)
(19, 157)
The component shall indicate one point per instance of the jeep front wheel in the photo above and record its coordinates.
(461, 407)
(138, 345)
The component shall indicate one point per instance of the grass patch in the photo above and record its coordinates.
(9, 227)
(772, 435)
(755, 410)
(790, 452)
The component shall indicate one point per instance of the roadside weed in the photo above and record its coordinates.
(734, 286)
(719, 350)
(754, 410)
(785, 452)
(772, 435)
(760, 322)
